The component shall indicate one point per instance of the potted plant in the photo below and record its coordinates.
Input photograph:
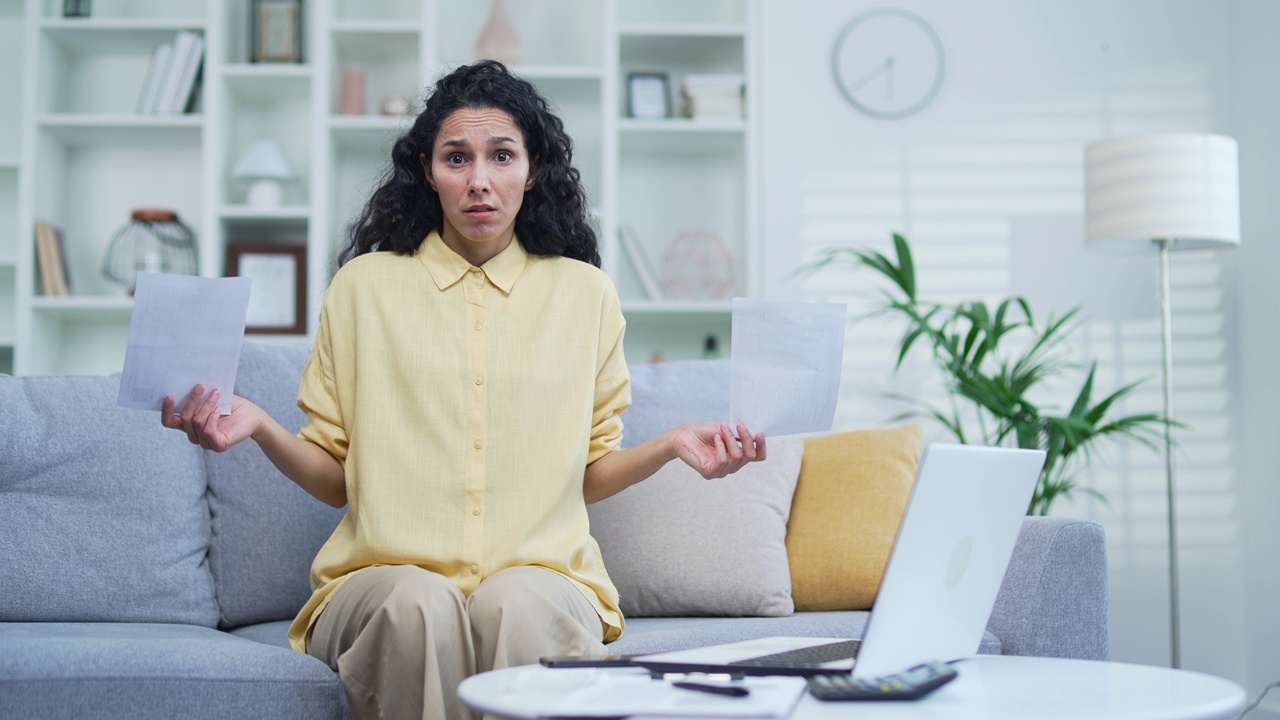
(995, 364)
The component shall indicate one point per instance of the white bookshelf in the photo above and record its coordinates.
(99, 30)
(678, 174)
(375, 27)
(682, 30)
(246, 213)
(86, 158)
(83, 307)
(13, 59)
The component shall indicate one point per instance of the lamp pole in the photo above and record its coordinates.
(1166, 327)
(1157, 190)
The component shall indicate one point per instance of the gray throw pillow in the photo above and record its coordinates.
(102, 510)
(679, 545)
(664, 395)
(266, 529)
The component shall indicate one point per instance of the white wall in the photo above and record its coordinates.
(1256, 105)
(987, 183)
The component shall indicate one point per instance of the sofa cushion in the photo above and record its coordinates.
(271, 633)
(849, 501)
(140, 671)
(266, 529)
(102, 510)
(677, 544)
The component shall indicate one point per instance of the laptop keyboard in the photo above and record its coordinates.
(815, 655)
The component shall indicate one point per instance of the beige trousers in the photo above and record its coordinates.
(402, 638)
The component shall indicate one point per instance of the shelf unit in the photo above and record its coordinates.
(86, 158)
(13, 59)
(675, 175)
(247, 102)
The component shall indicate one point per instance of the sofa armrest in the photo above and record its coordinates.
(1053, 602)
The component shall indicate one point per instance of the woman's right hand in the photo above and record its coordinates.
(307, 464)
(204, 425)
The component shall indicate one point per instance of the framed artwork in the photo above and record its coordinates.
(76, 8)
(648, 95)
(276, 31)
(278, 296)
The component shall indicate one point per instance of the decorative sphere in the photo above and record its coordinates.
(697, 266)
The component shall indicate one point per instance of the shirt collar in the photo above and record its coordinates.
(447, 267)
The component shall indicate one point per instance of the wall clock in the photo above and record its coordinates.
(888, 63)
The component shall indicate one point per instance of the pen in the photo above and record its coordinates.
(730, 690)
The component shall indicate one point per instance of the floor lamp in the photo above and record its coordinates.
(1163, 192)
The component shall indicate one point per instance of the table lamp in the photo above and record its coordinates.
(264, 164)
(1163, 192)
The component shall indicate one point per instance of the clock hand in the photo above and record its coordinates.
(856, 85)
(888, 76)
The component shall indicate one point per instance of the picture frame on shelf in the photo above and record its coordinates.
(278, 295)
(76, 8)
(648, 95)
(275, 31)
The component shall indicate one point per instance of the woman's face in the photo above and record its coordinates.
(481, 170)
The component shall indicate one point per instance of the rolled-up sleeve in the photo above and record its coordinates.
(318, 398)
(613, 383)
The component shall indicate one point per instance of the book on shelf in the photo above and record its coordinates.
(44, 259)
(170, 83)
(713, 84)
(64, 261)
(640, 262)
(713, 96)
(155, 77)
(194, 96)
(51, 257)
(190, 73)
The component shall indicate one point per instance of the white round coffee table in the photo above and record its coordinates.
(990, 687)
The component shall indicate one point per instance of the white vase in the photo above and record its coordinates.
(498, 40)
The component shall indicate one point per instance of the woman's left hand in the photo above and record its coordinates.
(712, 450)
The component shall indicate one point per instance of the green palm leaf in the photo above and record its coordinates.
(994, 363)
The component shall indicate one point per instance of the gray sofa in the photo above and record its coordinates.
(141, 577)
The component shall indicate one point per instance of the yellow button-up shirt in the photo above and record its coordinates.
(465, 405)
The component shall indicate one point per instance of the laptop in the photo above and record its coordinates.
(938, 590)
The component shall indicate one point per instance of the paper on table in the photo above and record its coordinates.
(185, 331)
(619, 695)
(787, 356)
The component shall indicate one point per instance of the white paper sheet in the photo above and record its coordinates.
(787, 357)
(185, 330)
(621, 695)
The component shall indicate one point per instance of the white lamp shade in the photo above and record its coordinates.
(264, 159)
(1179, 187)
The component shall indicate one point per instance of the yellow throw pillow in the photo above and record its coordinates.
(850, 498)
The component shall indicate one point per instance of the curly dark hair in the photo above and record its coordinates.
(553, 218)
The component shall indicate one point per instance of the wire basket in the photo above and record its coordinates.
(152, 241)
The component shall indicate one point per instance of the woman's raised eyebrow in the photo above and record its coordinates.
(463, 142)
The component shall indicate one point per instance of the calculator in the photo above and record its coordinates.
(910, 684)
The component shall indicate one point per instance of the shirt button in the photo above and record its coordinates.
(474, 270)
(475, 511)
(479, 380)
(475, 569)
(479, 326)
(477, 445)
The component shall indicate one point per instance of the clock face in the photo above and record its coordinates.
(888, 63)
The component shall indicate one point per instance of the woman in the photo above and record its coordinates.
(463, 400)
